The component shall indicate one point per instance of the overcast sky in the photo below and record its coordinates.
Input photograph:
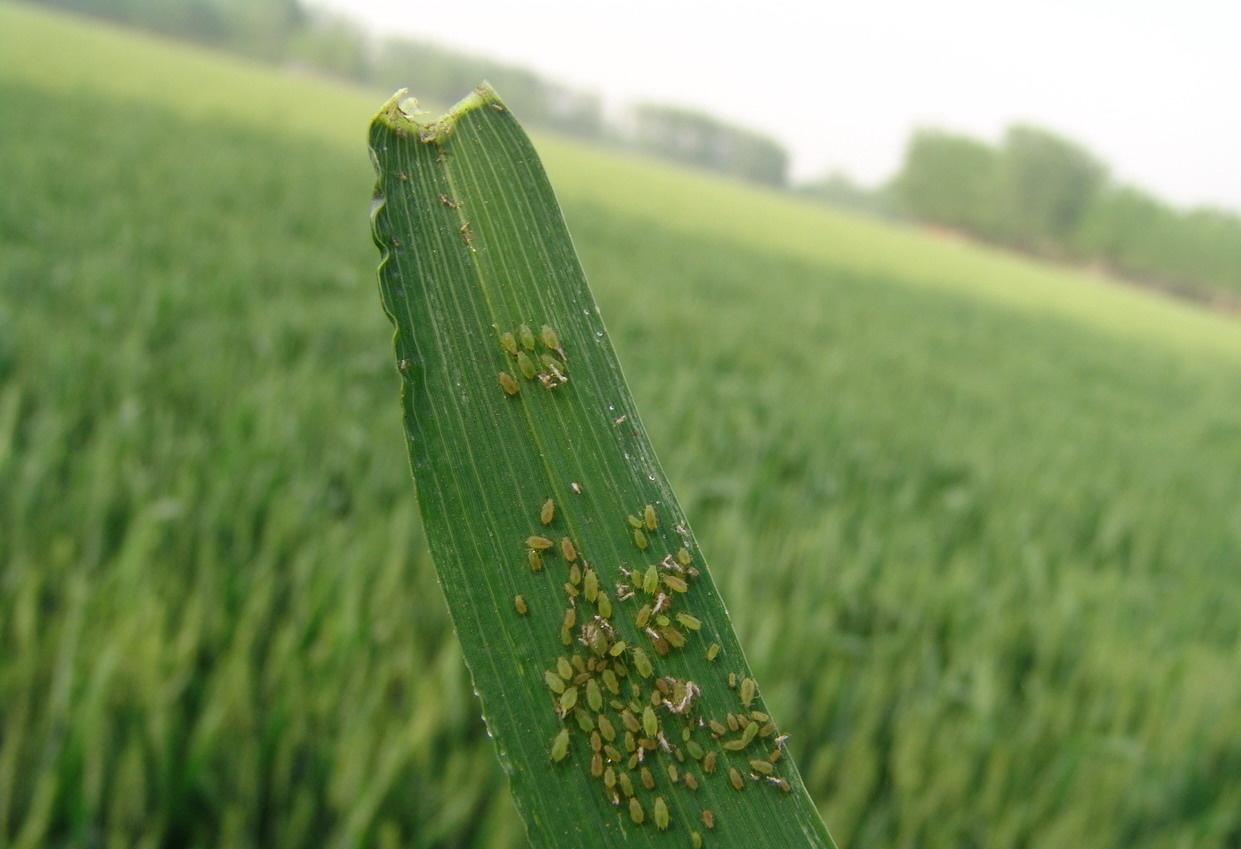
(1153, 87)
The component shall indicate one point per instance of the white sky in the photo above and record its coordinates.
(1153, 87)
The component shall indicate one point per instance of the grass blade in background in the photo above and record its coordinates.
(522, 434)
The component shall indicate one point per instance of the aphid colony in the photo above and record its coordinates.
(648, 743)
(540, 359)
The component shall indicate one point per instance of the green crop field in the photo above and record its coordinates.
(978, 520)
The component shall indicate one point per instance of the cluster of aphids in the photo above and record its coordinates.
(548, 366)
(647, 735)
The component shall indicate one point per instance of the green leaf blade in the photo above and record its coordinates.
(473, 244)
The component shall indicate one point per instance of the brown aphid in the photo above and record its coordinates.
(596, 765)
(449, 202)
(548, 512)
(568, 549)
(538, 543)
(673, 774)
(779, 783)
(635, 811)
(762, 767)
(466, 235)
(648, 780)
(708, 818)
(691, 781)
(735, 779)
(749, 689)
(508, 384)
(675, 583)
(708, 763)
(519, 603)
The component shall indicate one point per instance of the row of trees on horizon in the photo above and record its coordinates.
(1034, 191)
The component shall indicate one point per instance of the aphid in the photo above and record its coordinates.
(643, 616)
(618, 648)
(759, 716)
(674, 637)
(401, 175)
(548, 512)
(568, 699)
(594, 696)
(525, 366)
(466, 235)
(650, 581)
(635, 811)
(526, 335)
(639, 538)
(708, 763)
(552, 364)
(604, 605)
(403, 365)
(634, 522)
(609, 681)
(642, 663)
(591, 590)
(648, 780)
(649, 722)
(661, 813)
(780, 783)
(567, 548)
(508, 343)
(620, 419)
(649, 518)
(564, 668)
(683, 557)
(691, 781)
(695, 750)
(751, 731)
(626, 784)
(449, 202)
(396, 243)
(509, 385)
(535, 560)
(606, 728)
(596, 765)
(708, 818)
(554, 682)
(734, 745)
(519, 603)
(695, 840)
(748, 690)
(630, 721)
(575, 574)
(609, 778)
(673, 775)
(570, 617)
(775, 755)
(713, 651)
(662, 603)
(676, 584)
(537, 543)
(767, 730)
(718, 728)
(762, 767)
(732, 680)
(560, 745)
(735, 779)
(733, 724)
(549, 337)
(576, 487)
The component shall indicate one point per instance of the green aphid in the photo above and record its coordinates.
(609, 681)
(634, 522)
(519, 603)
(661, 813)
(564, 668)
(732, 680)
(578, 663)
(560, 745)
(549, 337)
(748, 690)
(642, 663)
(568, 699)
(692, 623)
(618, 648)
(695, 840)
(648, 780)
(604, 605)
(644, 616)
(695, 750)
(631, 742)
(508, 384)
(767, 730)
(568, 549)
(609, 778)
(713, 651)
(662, 621)
(673, 774)
(591, 588)
(508, 342)
(708, 763)
(762, 767)
(584, 721)
(570, 617)
(606, 728)
(759, 716)
(613, 754)
(648, 518)
(548, 512)
(575, 574)
(551, 363)
(751, 731)
(594, 696)
(650, 581)
(676, 583)
(674, 637)
(650, 724)
(526, 335)
(554, 682)
(635, 811)
(535, 560)
(626, 784)
(734, 745)
(538, 543)
(735, 779)
(684, 558)
(639, 538)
